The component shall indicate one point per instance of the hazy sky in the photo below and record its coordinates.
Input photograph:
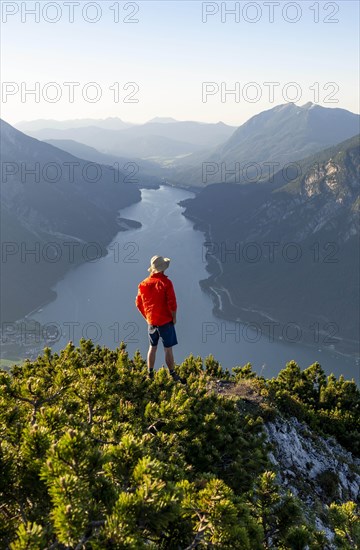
(169, 49)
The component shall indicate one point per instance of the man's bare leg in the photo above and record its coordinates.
(151, 357)
(169, 358)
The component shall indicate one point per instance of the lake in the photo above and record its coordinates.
(97, 299)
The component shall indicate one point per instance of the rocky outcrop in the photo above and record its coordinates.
(316, 469)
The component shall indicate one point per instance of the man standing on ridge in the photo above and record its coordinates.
(156, 301)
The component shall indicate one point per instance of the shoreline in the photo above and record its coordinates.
(123, 224)
(15, 347)
(254, 316)
(232, 313)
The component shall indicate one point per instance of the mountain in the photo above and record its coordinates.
(281, 135)
(145, 172)
(199, 134)
(110, 123)
(55, 213)
(83, 151)
(162, 120)
(154, 140)
(288, 251)
(119, 143)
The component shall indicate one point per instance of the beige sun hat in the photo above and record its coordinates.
(158, 263)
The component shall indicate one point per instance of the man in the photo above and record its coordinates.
(156, 301)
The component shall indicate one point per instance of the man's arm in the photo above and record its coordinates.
(139, 304)
(171, 300)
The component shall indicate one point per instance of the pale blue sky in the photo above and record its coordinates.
(170, 52)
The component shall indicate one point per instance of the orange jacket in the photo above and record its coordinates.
(156, 299)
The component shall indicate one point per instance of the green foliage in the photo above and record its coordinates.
(329, 405)
(299, 538)
(329, 483)
(219, 519)
(275, 513)
(244, 372)
(284, 525)
(29, 535)
(214, 369)
(95, 455)
(345, 519)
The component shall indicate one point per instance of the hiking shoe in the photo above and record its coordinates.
(176, 377)
(150, 374)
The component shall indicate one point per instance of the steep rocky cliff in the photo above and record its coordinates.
(315, 469)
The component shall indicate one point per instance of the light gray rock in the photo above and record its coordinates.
(312, 467)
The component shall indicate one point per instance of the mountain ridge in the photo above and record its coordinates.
(318, 213)
(278, 136)
(152, 139)
(54, 205)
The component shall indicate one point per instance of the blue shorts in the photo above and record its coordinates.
(165, 332)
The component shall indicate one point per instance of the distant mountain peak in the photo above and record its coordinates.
(309, 105)
(282, 134)
(283, 106)
(162, 120)
(291, 105)
(110, 123)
